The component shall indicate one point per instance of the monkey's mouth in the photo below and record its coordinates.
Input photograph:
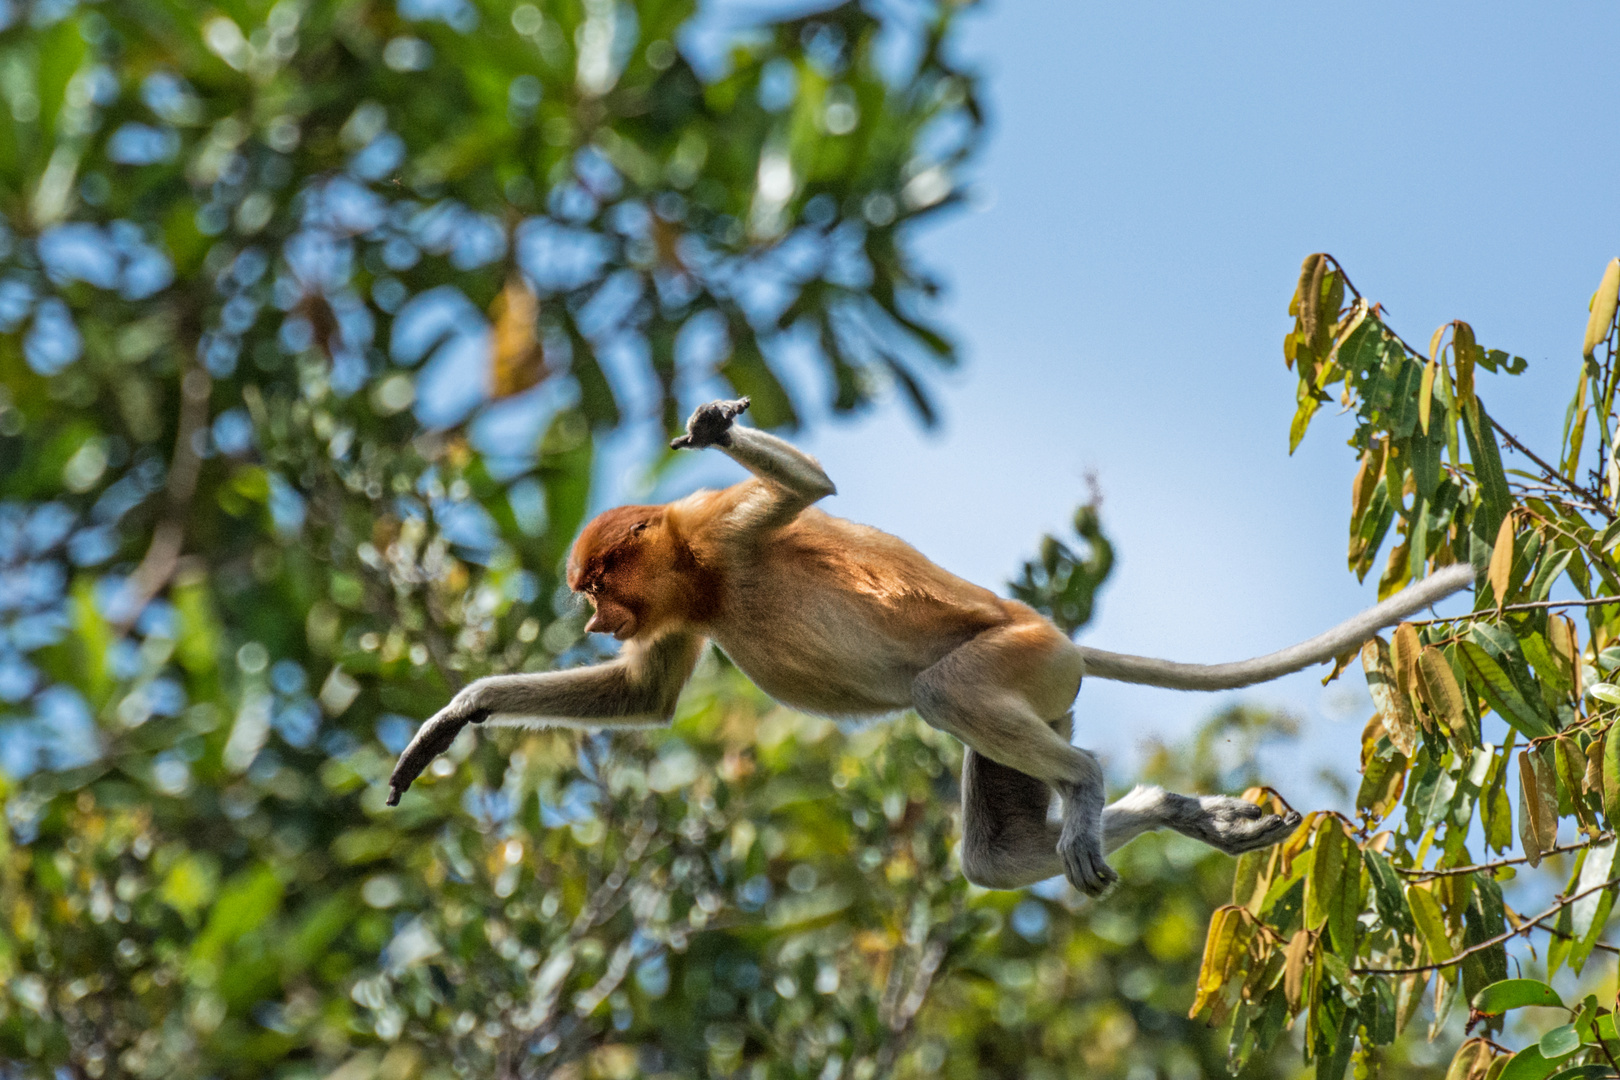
(612, 619)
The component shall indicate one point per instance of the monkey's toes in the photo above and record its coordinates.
(1261, 833)
(1086, 870)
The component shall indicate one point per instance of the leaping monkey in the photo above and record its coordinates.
(844, 620)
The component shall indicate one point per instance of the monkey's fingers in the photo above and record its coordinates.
(680, 443)
(432, 739)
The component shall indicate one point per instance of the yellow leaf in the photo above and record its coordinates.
(1566, 645)
(1394, 706)
(516, 359)
(1296, 957)
(1217, 951)
(1310, 298)
(1538, 806)
(1361, 492)
(1462, 351)
(1434, 342)
(1358, 314)
(1472, 1062)
(1502, 561)
(1370, 735)
(1426, 393)
(1439, 688)
(1604, 302)
(1404, 649)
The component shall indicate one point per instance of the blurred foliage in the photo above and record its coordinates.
(1352, 922)
(1062, 584)
(312, 317)
(691, 903)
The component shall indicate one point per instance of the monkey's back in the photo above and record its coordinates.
(835, 617)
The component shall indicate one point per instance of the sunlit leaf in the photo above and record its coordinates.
(1430, 922)
(1601, 320)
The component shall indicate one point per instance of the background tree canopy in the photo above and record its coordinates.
(314, 318)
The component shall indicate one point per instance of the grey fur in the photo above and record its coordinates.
(1122, 667)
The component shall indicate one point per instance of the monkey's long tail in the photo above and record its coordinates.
(1121, 667)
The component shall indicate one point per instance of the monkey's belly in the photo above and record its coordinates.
(819, 676)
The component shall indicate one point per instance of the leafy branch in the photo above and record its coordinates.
(1559, 905)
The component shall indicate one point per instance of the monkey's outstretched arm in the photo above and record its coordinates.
(794, 474)
(1121, 667)
(638, 689)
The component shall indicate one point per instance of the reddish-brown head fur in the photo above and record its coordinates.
(639, 572)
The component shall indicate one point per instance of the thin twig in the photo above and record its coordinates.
(1553, 475)
(1536, 605)
(1452, 871)
(1505, 936)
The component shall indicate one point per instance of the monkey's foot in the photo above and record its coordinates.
(1233, 825)
(1083, 862)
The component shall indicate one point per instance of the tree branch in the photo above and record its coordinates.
(1452, 871)
(168, 538)
(1553, 475)
(1507, 935)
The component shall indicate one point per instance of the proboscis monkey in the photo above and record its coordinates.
(844, 620)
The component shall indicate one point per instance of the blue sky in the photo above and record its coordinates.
(1155, 175)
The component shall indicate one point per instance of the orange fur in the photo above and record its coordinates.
(823, 614)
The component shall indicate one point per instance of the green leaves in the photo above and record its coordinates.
(1515, 994)
(1061, 583)
(1493, 683)
(1430, 922)
(1455, 692)
(357, 297)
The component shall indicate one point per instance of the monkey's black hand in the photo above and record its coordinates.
(710, 425)
(432, 739)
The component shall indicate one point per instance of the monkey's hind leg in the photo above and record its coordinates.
(1007, 841)
(1002, 693)
(1224, 822)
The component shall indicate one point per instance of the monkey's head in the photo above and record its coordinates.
(625, 562)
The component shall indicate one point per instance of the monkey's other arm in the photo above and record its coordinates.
(638, 689)
(797, 477)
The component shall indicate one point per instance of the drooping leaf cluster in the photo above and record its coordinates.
(1350, 923)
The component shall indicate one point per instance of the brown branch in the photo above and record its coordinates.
(1552, 474)
(1506, 936)
(162, 556)
(1453, 871)
(1537, 605)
